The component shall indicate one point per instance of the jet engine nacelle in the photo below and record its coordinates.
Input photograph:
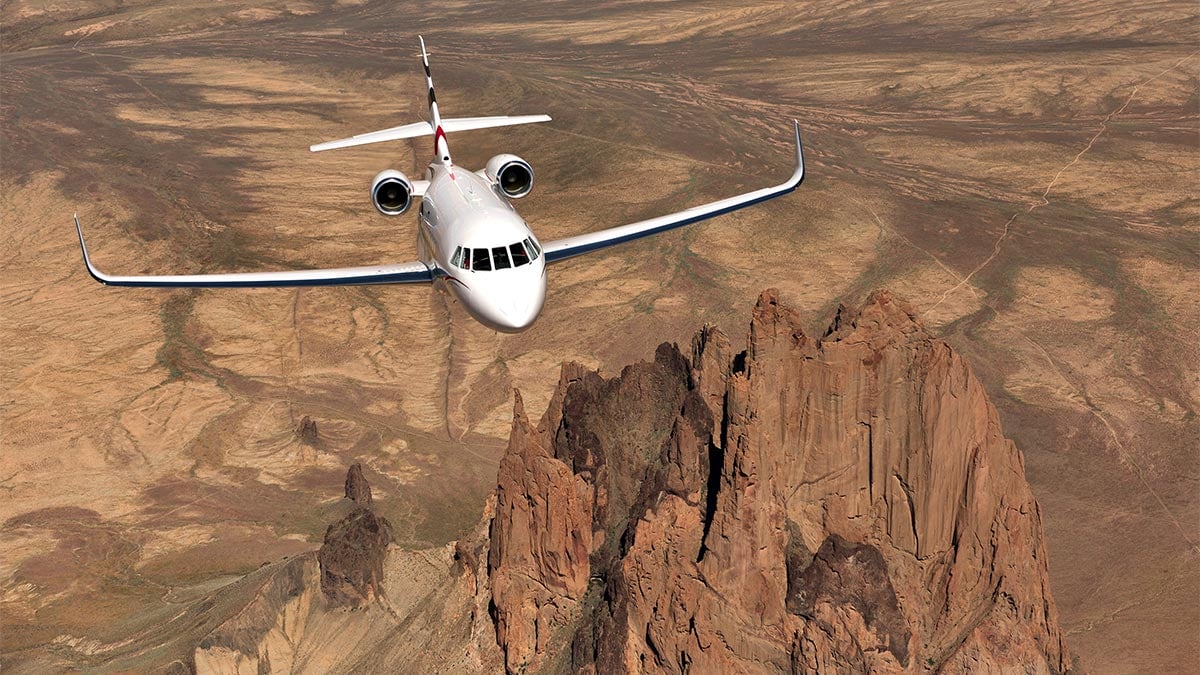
(391, 192)
(511, 174)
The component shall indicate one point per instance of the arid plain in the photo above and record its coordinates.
(1026, 176)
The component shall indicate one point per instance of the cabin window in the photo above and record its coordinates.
(500, 258)
(480, 261)
(518, 254)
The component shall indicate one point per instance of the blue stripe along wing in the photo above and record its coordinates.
(406, 273)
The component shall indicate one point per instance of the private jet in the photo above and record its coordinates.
(469, 236)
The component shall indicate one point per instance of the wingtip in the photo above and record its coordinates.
(87, 260)
(79, 231)
(798, 175)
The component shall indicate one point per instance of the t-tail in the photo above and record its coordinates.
(441, 148)
(436, 126)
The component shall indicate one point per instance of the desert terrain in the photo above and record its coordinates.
(1025, 176)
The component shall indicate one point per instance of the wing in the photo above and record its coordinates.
(562, 249)
(408, 273)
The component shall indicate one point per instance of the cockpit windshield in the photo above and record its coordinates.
(499, 258)
(518, 253)
(480, 261)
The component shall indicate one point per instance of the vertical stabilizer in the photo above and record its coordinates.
(441, 149)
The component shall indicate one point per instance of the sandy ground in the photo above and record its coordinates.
(1027, 178)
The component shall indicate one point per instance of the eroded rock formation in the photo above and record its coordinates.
(358, 490)
(307, 432)
(540, 541)
(847, 503)
(352, 555)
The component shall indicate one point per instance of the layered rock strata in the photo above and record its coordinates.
(841, 504)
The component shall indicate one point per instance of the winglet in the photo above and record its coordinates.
(798, 175)
(87, 261)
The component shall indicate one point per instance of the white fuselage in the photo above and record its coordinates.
(463, 210)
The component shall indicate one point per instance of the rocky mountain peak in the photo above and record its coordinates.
(847, 504)
(879, 320)
(353, 552)
(307, 431)
(358, 490)
(771, 318)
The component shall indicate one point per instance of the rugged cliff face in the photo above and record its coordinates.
(846, 503)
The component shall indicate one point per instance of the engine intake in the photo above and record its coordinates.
(511, 174)
(391, 192)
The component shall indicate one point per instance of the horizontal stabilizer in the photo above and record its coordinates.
(393, 134)
(452, 124)
(449, 125)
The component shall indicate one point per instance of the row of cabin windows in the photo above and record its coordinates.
(498, 258)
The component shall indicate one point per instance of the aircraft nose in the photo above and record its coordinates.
(518, 313)
(510, 302)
